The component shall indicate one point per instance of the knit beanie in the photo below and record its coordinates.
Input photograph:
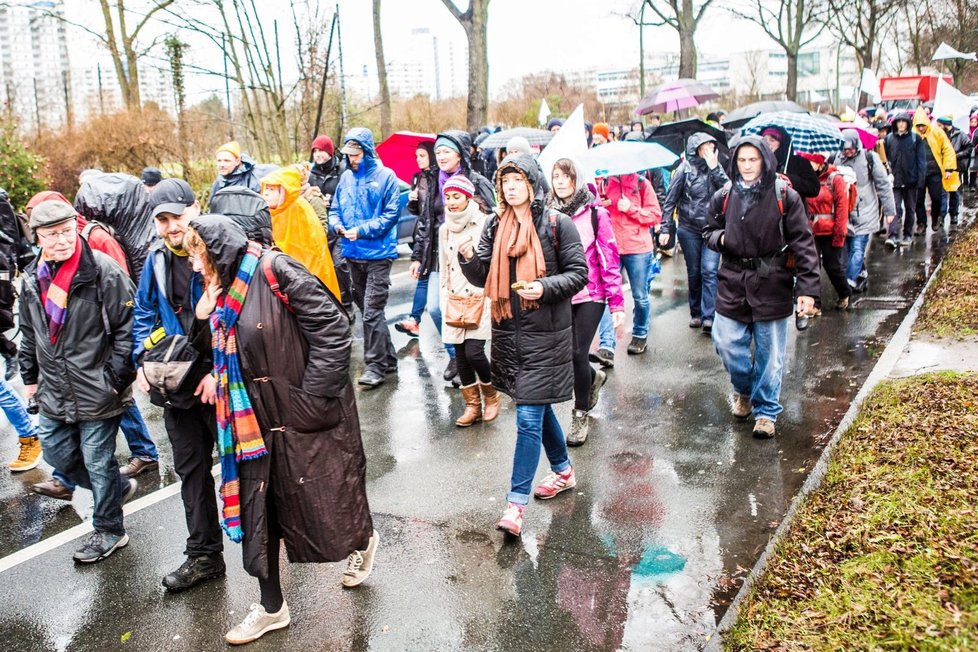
(325, 143)
(518, 144)
(945, 120)
(554, 122)
(459, 183)
(602, 128)
(448, 143)
(232, 148)
(773, 133)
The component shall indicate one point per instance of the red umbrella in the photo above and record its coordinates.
(397, 152)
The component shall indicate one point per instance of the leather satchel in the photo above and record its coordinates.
(464, 312)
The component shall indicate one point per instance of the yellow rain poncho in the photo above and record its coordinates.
(941, 148)
(297, 231)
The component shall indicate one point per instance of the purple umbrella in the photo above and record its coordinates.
(675, 96)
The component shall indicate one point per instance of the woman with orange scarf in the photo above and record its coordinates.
(531, 262)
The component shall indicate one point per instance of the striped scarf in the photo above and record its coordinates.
(238, 434)
(54, 290)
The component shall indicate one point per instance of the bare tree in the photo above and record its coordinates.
(122, 45)
(792, 24)
(859, 24)
(385, 92)
(684, 17)
(474, 21)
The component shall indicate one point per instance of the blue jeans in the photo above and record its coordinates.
(13, 407)
(434, 306)
(535, 424)
(637, 268)
(756, 373)
(420, 298)
(84, 452)
(856, 246)
(606, 331)
(702, 264)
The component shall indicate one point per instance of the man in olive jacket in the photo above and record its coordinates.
(758, 223)
(76, 321)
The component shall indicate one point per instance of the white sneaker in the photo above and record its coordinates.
(360, 563)
(257, 623)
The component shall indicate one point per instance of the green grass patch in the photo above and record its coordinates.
(884, 555)
(951, 306)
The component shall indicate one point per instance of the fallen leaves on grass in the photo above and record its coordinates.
(951, 306)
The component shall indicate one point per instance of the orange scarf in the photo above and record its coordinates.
(516, 237)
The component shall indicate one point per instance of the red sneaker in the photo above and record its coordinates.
(555, 483)
(512, 520)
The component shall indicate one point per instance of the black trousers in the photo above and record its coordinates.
(342, 274)
(906, 208)
(834, 267)
(193, 436)
(371, 287)
(586, 317)
(473, 365)
(933, 186)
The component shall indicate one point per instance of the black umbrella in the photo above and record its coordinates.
(673, 135)
(739, 117)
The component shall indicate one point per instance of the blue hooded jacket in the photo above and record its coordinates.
(152, 308)
(368, 200)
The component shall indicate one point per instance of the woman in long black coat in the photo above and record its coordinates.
(294, 357)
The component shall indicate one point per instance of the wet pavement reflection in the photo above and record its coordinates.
(674, 501)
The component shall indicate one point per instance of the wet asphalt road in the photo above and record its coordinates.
(674, 499)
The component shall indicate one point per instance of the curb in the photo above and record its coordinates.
(887, 362)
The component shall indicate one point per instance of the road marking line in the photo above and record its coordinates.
(61, 538)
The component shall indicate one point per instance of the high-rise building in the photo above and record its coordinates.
(427, 66)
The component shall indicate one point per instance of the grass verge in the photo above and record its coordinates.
(951, 306)
(884, 554)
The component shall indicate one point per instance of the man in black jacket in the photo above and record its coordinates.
(757, 223)
(76, 322)
(962, 152)
(168, 293)
(908, 163)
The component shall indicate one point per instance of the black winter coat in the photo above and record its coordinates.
(693, 186)
(326, 176)
(432, 209)
(86, 375)
(532, 352)
(296, 369)
(908, 163)
(753, 231)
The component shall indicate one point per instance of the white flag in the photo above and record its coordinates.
(544, 112)
(870, 85)
(950, 101)
(570, 142)
(945, 51)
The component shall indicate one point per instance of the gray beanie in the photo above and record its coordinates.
(518, 144)
(49, 213)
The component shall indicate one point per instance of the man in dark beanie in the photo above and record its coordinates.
(151, 177)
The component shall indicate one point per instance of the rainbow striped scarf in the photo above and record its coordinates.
(238, 434)
(55, 288)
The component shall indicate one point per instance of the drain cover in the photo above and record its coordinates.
(881, 303)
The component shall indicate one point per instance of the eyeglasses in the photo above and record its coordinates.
(63, 234)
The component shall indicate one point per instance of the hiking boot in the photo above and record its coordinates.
(195, 570)
(604, 357)
(637, 346)
(408, 327)
(257, 623)
(360, 563)
(695, 322)
(53, 489)
(892, 243)
(99, 546)
(936, 225)
(451, 370)
(555, 483)
(580, 425)
(138, 466)
(29, 456)
(490, 402)
(763, 428)
(11, 361)
(708, 326)
(600, 378)
(473, 406)
(512, 519)
(842, 304)
(741, 406)
(370, 379)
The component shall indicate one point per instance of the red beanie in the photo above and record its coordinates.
(324, 143)
(602, 128)
(814, 158)
(47, 195)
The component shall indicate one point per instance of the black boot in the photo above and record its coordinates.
(194, 571)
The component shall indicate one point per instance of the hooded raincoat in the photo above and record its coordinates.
(872, 185)
(311, 487)
(692, 187)
(296, 229)
(941, 149)
(244, 175)
(367, 200)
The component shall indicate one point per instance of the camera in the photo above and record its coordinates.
(32, 407)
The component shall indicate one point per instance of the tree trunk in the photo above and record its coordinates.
(687, 51)
(477, 109)
(791, 88)
(385, 93)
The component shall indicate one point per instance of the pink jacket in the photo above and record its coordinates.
(601, 252)
(632, 228)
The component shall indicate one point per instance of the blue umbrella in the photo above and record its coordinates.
(625, 157)
(808, 133)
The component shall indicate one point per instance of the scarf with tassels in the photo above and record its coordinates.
(55, 287)
(516, 237)
(238, 434)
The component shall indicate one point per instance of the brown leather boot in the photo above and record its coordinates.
(473, 406)
(491, 400)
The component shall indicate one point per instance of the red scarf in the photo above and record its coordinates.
(54, 291)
